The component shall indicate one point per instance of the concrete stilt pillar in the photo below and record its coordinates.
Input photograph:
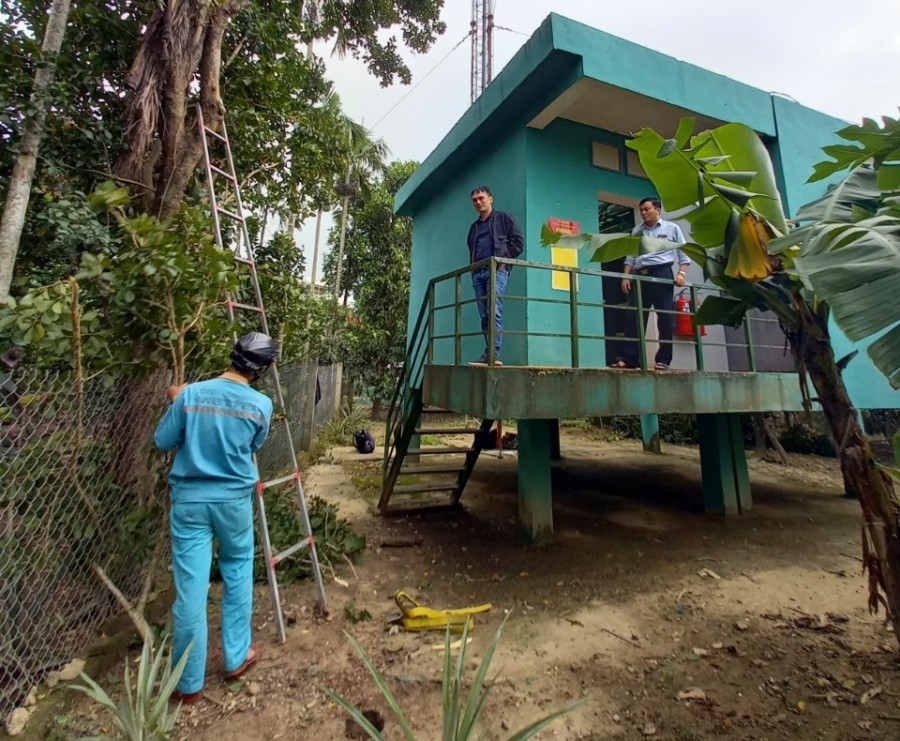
(535, 495)
(650, 433)
(726, 483)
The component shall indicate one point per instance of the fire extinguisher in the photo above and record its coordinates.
(684, 318)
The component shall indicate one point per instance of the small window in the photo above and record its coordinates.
(634, 166)
(605, 156)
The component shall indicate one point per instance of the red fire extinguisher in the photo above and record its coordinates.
(684, 319)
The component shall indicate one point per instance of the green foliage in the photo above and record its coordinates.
(143, 712)
(356, 615)
(335, 538)
(376, 271)
(461, 712)
(156, 299)
(803, 439)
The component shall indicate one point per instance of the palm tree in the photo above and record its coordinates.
(365, 157)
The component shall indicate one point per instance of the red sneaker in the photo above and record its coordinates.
(186, 698)
(252, 658)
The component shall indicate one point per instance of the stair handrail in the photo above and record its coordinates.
(408, 380)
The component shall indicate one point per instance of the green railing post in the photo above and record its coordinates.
(641, 332)
(573, 318)
(430, 345)
(457, 322)
(698, 346)
(748, 338)
(492, 313)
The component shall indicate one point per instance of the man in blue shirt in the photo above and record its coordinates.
(654, 294)
(493, 234)
(215, 427)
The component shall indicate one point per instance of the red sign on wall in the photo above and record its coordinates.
(563, 226)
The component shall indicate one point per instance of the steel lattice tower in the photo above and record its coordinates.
(482, 33)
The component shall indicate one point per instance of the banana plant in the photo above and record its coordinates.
(839, 258)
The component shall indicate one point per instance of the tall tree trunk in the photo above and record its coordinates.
(162, 143)
(17, 197)
(340, 258)
(315, 261)
(880, 507)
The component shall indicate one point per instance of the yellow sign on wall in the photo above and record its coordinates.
(564, 257)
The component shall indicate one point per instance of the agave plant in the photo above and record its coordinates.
(461, 713)
(143, 711)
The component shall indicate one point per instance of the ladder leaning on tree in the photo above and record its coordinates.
(242, 247)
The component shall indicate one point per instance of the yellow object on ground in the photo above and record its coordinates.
(414, 616)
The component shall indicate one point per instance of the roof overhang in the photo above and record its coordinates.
(571, 71)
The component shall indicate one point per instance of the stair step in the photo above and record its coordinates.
(437, 451)
(416, 470)
(416, 488)
(446, 430)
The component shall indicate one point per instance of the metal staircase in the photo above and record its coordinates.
(408, 482)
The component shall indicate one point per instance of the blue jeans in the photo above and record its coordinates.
(481, 282)
(193, 525)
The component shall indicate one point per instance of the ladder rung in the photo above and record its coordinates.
(245, 260)
(246, 307)
(215, 134)
(229, 214)
(417, 488)
(220, 171)
(279, 481)
(414, 470)
(288, 552)
(437, 451)
(446, 430)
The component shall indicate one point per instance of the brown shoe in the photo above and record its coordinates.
(252, 658)
(185, 698)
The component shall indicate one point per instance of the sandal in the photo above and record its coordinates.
(660, 367)
(252, 658)
(621, 365)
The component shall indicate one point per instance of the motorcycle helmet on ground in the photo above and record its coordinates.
(253, 353)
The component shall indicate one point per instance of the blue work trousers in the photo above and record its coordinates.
(193, 526)
(481, 283)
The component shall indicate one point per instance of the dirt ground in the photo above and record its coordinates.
(670, 623)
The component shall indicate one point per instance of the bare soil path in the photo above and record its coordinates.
(670, 623)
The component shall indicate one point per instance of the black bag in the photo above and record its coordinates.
(364, 442)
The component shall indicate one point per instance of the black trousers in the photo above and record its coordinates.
(660, 296)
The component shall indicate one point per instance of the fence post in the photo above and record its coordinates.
(573, 317)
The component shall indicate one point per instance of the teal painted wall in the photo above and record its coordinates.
(563, 183)
(802, 132)
(439, 246)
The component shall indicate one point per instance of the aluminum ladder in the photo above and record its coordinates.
(243, 252)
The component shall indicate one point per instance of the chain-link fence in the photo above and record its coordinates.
(81, 488)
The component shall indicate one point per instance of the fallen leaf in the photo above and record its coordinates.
(710, 573)
(343, 582)
(869, 694)
(694, 693)
(742, 625)
(701, 652)
(574, 622)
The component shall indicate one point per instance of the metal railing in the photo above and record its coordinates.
(575, 302)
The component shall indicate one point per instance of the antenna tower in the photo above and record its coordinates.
(482, 33)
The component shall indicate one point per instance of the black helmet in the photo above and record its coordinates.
(254, 352)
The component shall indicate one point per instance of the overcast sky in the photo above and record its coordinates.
(842, 58)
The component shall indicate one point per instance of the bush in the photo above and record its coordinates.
(803, 439)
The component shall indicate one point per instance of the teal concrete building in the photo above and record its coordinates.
(548, 137)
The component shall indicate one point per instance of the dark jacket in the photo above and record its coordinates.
(505, 233)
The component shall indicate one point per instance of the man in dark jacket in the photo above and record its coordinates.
(494, 234)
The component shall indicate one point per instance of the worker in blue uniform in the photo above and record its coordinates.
(215, 427)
